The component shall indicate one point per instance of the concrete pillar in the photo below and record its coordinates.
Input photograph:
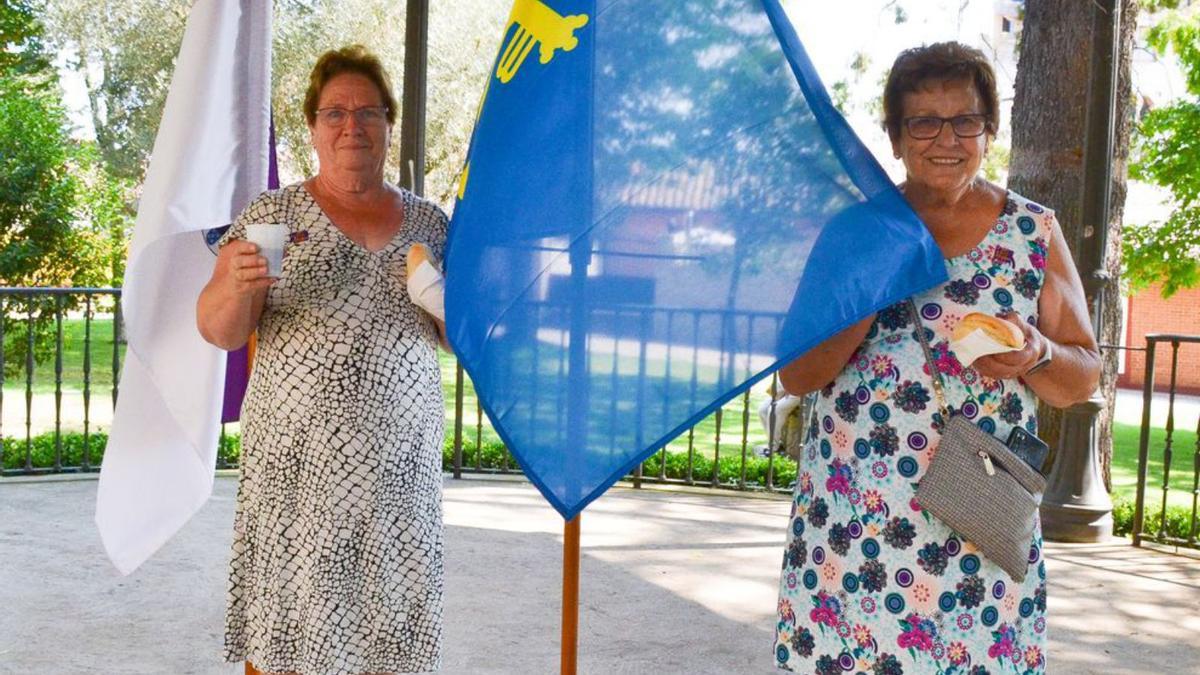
(1076, 507)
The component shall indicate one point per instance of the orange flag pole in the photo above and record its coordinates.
(570, 606)
(251, 347)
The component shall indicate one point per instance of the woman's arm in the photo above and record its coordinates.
(1064, 327)
(232, 302)
(441, 333)
(820, 365)
(427, 289)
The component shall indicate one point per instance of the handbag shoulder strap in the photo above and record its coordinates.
(938, 386)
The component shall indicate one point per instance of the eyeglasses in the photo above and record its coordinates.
(367, 116)
(924, 128)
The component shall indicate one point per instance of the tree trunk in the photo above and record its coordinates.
(1048, 124)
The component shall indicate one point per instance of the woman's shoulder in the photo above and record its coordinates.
(421, 210)
(1015, 203)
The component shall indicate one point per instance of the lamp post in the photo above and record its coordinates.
(412, 113)
(1076, 507)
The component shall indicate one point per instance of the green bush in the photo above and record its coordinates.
(230, 449)
(1178, 521)
(729, 469)
(495, 456)
(42, 450)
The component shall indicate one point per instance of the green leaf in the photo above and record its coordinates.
(1166, 253)
(1166, 152)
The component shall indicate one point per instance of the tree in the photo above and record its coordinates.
(463, 40)
(24, 53)
(1048, 125)
(125, 52)
(37, 192)
(1165, 154)
(41, 240)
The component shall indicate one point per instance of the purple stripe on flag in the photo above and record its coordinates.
(236, 378)
(273, 162)
(237, 375)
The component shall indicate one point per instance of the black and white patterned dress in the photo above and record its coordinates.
(337, 550)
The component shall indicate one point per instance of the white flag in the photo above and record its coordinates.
(209, 160)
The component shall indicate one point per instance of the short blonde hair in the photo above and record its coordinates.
(351, 59)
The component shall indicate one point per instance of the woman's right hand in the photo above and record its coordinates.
(230, 305)
(240, 270)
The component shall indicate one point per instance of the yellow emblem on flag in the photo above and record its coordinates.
(536, 23)
(462, 180)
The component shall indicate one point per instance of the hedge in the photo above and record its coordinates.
(1178, 518)
(42, 450)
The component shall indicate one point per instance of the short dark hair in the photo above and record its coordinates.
(939, 62)
(351, 59)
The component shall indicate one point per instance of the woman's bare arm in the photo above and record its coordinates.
(820, 365)
(1074, 370)
(232, 302)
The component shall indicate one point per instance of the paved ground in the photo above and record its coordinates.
(1129, 409)
(671, 583)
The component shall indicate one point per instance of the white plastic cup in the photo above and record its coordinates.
(270, 238)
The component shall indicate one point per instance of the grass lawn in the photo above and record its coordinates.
(74, 333)
(1125, 465)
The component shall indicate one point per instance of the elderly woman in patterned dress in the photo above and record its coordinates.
(337, 554)
(871, 582)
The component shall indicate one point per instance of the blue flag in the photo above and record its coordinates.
(659, 207)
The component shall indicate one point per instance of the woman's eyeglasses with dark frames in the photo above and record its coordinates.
(925, 127)
(367, 116)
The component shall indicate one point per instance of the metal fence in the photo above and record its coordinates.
(63, 349)
(701, 460)
(33, 349)
(59, 344)
(1163, 526)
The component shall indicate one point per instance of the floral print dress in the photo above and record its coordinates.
(872, 583)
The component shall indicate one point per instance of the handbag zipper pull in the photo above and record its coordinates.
(987, 463)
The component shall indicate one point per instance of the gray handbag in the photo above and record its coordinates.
(977, 486)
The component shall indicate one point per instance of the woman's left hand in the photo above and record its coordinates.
(1014, 364)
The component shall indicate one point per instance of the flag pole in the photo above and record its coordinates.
(580, 257)
(570, 603)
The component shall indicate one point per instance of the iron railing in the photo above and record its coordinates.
(774, 450)
(29, 317)
(1158, 529)
(38, 317)
(36, 340)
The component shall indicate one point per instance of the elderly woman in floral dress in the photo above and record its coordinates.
(872, 582)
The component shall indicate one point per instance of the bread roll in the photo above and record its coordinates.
(417, 254)
(999, 330)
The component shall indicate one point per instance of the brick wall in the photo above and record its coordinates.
(1146, 313)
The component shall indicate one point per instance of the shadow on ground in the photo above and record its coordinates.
(670, 583)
